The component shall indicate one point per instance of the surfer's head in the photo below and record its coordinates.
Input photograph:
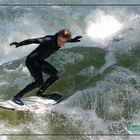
(63, 36)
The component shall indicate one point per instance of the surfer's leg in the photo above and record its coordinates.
(37, 74)
(54, 75)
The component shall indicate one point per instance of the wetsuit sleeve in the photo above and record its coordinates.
(31, 41)
(76, 39)
(36, 40)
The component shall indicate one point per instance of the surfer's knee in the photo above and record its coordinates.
(55, 76)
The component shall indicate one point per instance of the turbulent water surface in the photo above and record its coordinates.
(100, 76)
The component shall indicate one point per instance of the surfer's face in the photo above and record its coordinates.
(61, 41)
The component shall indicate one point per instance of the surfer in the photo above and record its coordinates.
(36, 63)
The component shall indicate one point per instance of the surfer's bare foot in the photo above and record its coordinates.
(17, 101)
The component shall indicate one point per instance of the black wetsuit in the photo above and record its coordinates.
(36, 63)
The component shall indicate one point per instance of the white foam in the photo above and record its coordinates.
(102, 26)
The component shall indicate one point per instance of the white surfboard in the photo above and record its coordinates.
(32, 103)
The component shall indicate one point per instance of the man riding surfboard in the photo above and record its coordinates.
(36, 63)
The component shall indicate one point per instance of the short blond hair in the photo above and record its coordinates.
(65, 33)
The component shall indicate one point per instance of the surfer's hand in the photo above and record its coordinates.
(76, 39)
(16, 44)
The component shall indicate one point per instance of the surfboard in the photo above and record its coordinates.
(32, 103)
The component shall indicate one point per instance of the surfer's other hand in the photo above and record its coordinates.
(16, 44)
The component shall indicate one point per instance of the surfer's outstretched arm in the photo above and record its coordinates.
(29, 41)
(76, 39)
